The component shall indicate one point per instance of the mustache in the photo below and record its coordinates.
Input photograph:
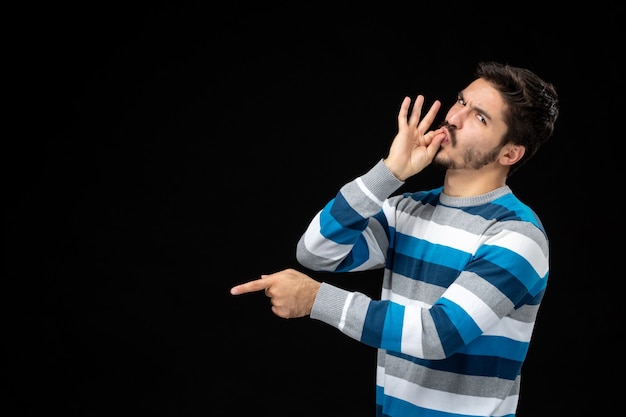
(446, 125)
(451, 130)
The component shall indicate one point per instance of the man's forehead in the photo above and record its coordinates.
(480, 93)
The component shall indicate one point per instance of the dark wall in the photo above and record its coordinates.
(165, 153)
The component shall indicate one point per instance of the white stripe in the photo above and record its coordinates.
(473, 305)
(525, 247)
(327, 249)
(344, 312)
(512, 329)
(508, 406)
(439, 234)
(412, 332)
(400, 299)
(367, 192)
(487, 320)
(469, 242)
(320, 246)
(445, 401)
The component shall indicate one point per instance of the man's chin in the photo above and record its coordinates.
(441, 161)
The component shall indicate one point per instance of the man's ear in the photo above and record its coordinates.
(511, 153)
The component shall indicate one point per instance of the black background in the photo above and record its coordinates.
(165, 152)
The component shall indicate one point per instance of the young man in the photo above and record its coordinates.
(465, 265)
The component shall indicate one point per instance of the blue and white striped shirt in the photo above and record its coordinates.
(463, 281)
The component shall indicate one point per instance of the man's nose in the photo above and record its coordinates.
(456, 117)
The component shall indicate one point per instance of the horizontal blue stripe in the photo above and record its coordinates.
(534, 300)
(456, 316)
(449, 335)
(499, 346)
(430, 197)
(374, 323)
(510, 261)
(359, 255)
(380, 218)
(492, 211)
(521, 211)
(428, 272)
(473, 365)
(514, 286)
(431, 252)
(394, 323)
(340, 223)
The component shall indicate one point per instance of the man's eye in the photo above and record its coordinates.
(461, 101)
(481, 119)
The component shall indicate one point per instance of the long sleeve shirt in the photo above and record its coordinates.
(463, 278)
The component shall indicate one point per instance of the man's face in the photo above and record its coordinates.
(475, 127)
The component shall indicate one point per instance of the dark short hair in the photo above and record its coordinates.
(532, 105)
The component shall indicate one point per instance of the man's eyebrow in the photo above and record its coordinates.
(478, 109)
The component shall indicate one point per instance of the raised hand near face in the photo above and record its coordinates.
(414, 147)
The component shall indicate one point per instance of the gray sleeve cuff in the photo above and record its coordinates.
(380, 181)
(329, 303)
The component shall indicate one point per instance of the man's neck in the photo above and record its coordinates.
(472, 182)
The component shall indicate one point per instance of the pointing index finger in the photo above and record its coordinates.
(250, 286)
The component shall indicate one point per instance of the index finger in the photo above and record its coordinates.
(430, 116)
(250, 286)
